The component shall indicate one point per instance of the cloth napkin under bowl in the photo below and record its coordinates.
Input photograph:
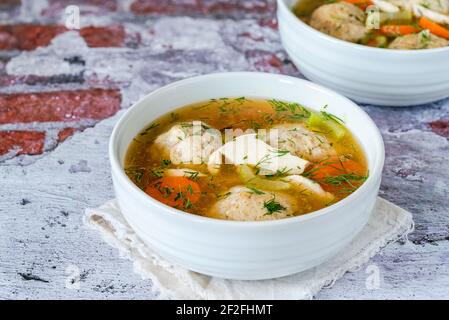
(387, 224)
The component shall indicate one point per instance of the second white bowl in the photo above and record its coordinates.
(369, 75)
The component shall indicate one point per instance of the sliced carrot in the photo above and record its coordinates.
(337, 175)
(434, 28)
(398, 30)
(178, 192)
(350, 166)
(334, 166)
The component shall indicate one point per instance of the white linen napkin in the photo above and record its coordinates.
(388, 223)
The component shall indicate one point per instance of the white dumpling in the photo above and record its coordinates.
(249, 149)
(244, 204)
(341, 20)
(189, 142)
(310, 186)
(422, 40)
(303, 142)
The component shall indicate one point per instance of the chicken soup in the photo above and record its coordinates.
(393, 24)
(247, 159)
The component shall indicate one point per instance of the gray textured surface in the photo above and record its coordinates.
(42, 198)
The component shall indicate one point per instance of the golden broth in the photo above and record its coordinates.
(145, 167)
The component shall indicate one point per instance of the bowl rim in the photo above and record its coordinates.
(356, 46)
(123, 179)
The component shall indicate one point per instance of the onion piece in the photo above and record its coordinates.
(248, 149)
(437, 17)
(183, 173)
(310, 185)
(385, 6)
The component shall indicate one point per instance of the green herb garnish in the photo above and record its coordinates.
(190, 189)
(166, 162)
(157, 173)
(273, 206)
(223, 195)
(135, 173)
(187, 203)
(254, 190)
(280, 173)
(296, 110)
(152, 126)
(345, 179)
(192, 175)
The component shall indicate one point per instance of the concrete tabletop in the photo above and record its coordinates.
(62, 91)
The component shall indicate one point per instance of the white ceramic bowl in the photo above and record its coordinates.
(369, 75)
(245, 250)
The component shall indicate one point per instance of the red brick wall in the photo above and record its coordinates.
(63, 106)
(31, 36)
(36, 108)
(22, 142)
(60, 106)
(27, 110)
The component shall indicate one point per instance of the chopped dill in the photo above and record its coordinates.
(280, 172)
(157, 173)
(264, 159)
(187, 204)
(329, 116)
(223, 195)
(280, 153)
(254, 190)
(148, 129)
(192, 175)
(296, 110)
(345, 178)
(273, 206)
(167, 191)
(178, 196)
(136, 173)
(166, 162)
(255, 125)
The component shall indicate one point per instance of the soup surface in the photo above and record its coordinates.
(394, 24)
(246, 159)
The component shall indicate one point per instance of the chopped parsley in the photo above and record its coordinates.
(240, 99)
(273, 154)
